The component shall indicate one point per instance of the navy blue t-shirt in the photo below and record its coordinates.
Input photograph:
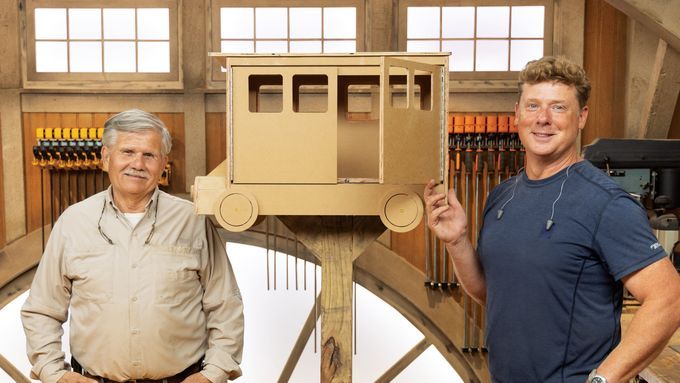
(554, 297)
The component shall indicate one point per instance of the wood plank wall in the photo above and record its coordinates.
(605, 64)
(215, 139)
(90, 180)
(3, 239)
(674, 131)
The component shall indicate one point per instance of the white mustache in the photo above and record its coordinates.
(135, 173)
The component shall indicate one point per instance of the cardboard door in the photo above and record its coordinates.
(412, 122)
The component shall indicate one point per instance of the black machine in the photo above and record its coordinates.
(648, 169)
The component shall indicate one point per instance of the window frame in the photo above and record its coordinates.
(102, 80)
(548, 26)
(216, 78)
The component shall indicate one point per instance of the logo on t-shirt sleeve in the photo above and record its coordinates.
(655, 246)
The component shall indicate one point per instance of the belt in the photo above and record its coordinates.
(194, 368)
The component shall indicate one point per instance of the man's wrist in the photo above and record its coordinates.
(594, 377)
(459, 244)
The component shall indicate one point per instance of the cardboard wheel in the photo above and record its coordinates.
(236, 211)
(401, 210)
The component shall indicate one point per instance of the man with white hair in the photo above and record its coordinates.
(150, 290)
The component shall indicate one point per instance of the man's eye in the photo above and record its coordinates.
(532, 106)
(559, 107)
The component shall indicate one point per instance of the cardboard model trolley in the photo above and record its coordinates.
(329, 134)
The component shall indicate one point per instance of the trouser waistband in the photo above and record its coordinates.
(194, 368)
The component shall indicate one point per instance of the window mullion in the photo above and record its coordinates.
(68, 42)
(101, 37)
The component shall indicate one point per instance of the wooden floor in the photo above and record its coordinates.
(666, 367)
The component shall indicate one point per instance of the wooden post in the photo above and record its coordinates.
(337, 242)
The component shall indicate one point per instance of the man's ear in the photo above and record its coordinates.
(105, 158)
(583, 117)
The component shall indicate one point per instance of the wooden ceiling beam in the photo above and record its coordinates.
(664, 86)
(658, 16)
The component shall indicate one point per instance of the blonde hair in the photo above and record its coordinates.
(556, 69)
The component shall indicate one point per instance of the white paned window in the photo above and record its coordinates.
(119, 24)
(305, 23)
(85, 56)
(153, 24)
(153, 56)
(51, 56)
(460, 22)
(119, 56)
(271, 23)
(50, 23)
(305, 46)
(527, 22)
(288, 29)
(483, 38)
(493, 22)
(97, 40)
(85, 23)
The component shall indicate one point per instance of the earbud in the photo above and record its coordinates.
(549, 224)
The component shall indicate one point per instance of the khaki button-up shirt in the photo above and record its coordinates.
(145, 302)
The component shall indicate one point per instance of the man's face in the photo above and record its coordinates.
(135, 163)
(549, 118)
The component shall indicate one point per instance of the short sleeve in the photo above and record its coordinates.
(624, 239)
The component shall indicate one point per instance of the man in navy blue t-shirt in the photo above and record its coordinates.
(558, 244)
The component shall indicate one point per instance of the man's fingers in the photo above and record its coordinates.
(436, 213)
(432, 200)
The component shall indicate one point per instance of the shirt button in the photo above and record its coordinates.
(135, 331)
(134, 299)
(134, 265)
(136, 364)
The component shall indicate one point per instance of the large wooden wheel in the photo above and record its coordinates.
(378, 269)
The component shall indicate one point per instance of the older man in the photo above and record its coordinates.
(558, 244)
(148, 284)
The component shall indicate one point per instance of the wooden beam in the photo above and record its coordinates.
(642, 44)
(674, 131)
(101, 103)
(17, 265)
(3, 241)
(194, 138)
(301, 342)
(12, 164)
(337, 241)
(568, 25)
(12, 371)
(10, 69)
(404, 362)
(664, 86)
(659, 16)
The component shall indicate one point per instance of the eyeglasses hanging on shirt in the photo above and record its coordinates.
(110, 241)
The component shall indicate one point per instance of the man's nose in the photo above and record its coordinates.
(137, 161)
(544, 115)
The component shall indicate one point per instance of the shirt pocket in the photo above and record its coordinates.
(92, 273)
(176, 278)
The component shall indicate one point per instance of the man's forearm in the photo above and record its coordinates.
(468, 269)
(648, 333)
